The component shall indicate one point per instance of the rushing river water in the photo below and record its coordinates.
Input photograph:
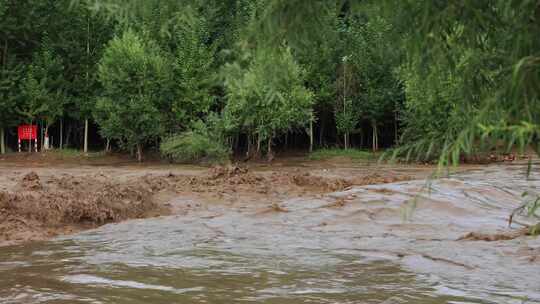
(393, 243)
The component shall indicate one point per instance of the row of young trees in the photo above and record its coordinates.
(251, 74)
(145, 73)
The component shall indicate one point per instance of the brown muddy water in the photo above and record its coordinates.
(391, 243)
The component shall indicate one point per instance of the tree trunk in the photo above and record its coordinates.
(40, 131)
(248, 153)
(139, 153)
(85, 136)
(258, 144)
(61, 145)
(396, 128)
(108, 146)
(2, 131)
(321, 133)
(270, 154)
(375, 139)
(236, 143)
(46, 141)
(85, 149)
(68, 134)
(346, 135)
(310, 136)
(2, 141)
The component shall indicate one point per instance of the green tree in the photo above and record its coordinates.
(320, 57)
(47, 69)
(346, 109)
(268, 97)
(22, 27)
(133, 74)
(34, 94)
(81, 36)
(9, 79)
(480, 60)
(375, 60)
(42, 89)
(193, 74)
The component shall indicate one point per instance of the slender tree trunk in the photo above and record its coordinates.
(269, 154)
(108, 146)
(310, 136)
(61, 134)
(248, 153)
(46, 141)
(139, 153)
(68, 134)
(87, 80)
(375, 139)
(41, 130)
(2, 131)
(2, 141)
(346, 135)
(85, 136)
(396, 127)
(321, 133)
(236, 141)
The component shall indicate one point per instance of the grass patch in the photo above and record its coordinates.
(73, 153)
(353, 154)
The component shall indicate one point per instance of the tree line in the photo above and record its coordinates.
(199, 79)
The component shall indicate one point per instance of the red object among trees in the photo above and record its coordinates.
(27, 132)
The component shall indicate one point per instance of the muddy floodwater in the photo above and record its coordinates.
(399, 242)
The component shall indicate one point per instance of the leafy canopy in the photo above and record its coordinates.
(133, 74)
(268, 96)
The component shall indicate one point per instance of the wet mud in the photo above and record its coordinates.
(61, 202)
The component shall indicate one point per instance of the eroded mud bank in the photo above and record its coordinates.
(37, 206)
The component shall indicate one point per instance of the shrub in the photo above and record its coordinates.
(196, 145)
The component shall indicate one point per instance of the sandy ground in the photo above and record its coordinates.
(43, 196)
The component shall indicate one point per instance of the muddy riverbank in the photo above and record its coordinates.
(40, 201)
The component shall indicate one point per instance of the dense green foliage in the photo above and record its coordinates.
(267, 98)
(471, 75)
(200, 143)
(134, 78)
(441, 78)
